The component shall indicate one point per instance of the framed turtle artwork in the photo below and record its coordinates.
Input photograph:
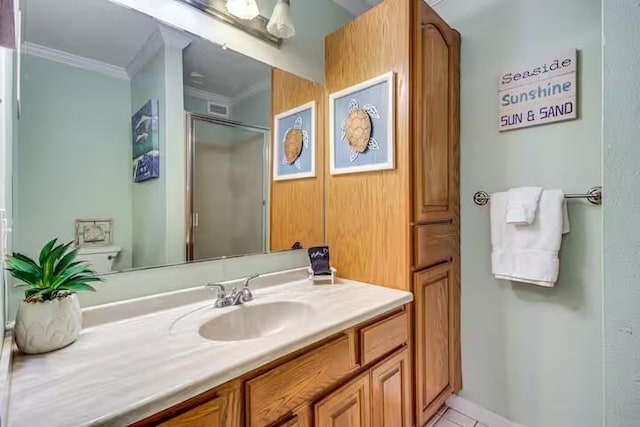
(361, 126)
(294, 153)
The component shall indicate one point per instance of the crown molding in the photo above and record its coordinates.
(74, 60)
(252, 90)
(146, 52)
(174, 37)
(208, 96)
(163, 35)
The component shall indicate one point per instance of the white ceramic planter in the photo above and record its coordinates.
(49, 325)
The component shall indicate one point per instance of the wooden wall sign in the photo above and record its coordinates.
(542, 93)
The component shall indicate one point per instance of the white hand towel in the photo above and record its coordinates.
(529, 253)
(522, 204)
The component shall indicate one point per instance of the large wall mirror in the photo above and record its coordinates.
(146, 145)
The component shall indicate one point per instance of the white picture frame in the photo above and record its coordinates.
(278, 144)
(388, 119)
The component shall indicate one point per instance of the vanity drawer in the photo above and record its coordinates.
(382, 337)
(279, 391)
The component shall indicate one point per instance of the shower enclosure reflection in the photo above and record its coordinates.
(227, 188)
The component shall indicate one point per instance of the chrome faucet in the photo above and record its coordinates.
(234, 298)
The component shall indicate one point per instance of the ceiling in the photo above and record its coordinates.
(225, 72)
(106, 32)
(95, 29)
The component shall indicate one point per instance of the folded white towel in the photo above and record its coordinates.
(522, 204)
(529, 253)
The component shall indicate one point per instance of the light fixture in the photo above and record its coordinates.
(243, 9)
(281, 23)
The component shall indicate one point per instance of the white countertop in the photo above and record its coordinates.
(120, 372)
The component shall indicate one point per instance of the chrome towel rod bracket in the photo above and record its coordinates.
(593, 196)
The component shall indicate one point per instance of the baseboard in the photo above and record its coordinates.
(479, 413)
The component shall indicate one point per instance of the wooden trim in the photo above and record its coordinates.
(457, 280)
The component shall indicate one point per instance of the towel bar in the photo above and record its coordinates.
(594, 196)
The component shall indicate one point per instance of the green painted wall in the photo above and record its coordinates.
(72, 161)
(149, 197)
(158, 204)
(621, 32)
(531, 354)
(194, 104)
(175, 156)
(255, 110)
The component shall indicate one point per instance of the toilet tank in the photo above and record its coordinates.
(100, 258)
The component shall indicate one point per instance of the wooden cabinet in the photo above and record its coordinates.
(415, 206)
(436, 213)
(349, 406)
(391, 391)
(380, 397)
(282, 389)
(435, 338)
(305, 389)
(436, 116)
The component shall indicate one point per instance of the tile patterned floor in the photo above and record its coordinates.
(447, 417)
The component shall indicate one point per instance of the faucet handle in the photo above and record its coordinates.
(249, 279)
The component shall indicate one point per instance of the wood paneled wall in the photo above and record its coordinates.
(368, 214)
(297, 205)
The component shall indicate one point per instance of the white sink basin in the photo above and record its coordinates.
(256, 321)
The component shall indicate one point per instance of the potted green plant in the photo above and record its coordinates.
(49, 316)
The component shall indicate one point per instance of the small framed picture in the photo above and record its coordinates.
(362, 126)
(294, 152)
(146, 142)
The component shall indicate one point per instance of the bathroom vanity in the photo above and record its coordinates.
(353, 354)
(313, 354)
(361, 374)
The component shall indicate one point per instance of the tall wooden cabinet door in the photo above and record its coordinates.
(391, 391)
(434, 339)
(436, 59)
(349, 406)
